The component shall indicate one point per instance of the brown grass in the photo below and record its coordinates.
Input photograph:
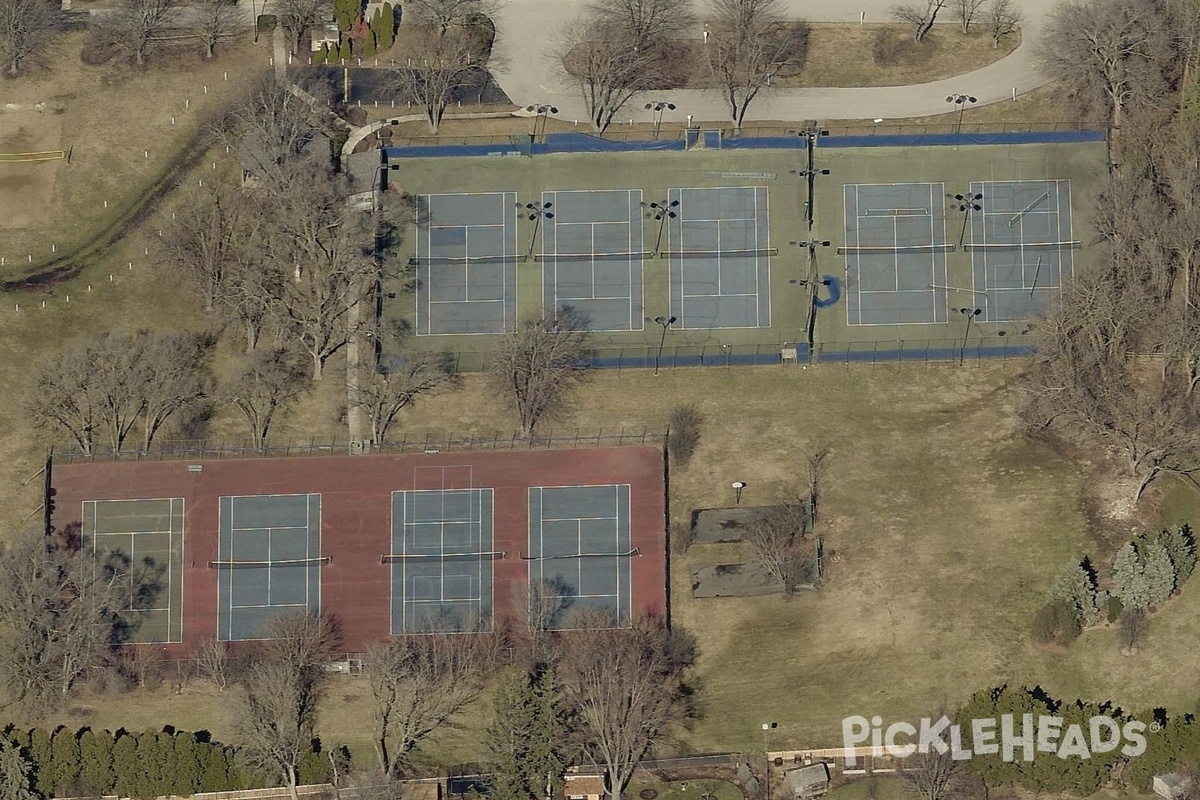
(110, 117)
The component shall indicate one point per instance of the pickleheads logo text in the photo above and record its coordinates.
(1012, 737)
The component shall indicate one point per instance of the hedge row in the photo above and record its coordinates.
(141, 765)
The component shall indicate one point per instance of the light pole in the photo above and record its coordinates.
(966, 204)
(970, 314)
(536, 212)
(539, 111)
(738, 486)
(662, 211)
(665, 322)
(960, 100)
(767, 727)
(658, 107)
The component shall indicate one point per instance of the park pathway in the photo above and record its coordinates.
(528, 32)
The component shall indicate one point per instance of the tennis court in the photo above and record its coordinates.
(268, 561)
(1021, 246)
(718, 251)
(580, 549)
(141, 541)
(895, 250)
(466, 263)
(441, 559)
(592, 254)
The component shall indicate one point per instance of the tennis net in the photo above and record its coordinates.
(627, 554)
(885, 249)
(762, 252)
(388, 558)
(584, 257)
(287, 562)
(437, 261)
(1013, 247)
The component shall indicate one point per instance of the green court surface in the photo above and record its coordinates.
(141, 542)
(733, 273)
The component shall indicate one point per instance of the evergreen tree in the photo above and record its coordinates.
(1076, 586)
(386, 34)
(15, 773)
(127, 772)
(214, 768)
(95, 757)
(1129, 578)
(41, 755)
(314, 766)
(525, 736)
(185, 772)
(65, 760)
(369, 43)
(1181, 546)
(1159, 572)
(346, 12)
(344, 51)
(153, 750)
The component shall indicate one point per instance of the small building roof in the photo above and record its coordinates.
(808, 781)
(583, 785)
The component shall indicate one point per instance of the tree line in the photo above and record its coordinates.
(1144, 574)
(87, 762)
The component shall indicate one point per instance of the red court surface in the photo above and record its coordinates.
(356, 518)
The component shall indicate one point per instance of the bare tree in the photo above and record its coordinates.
(1000, 19)
(389, 389)
(296, 17)
(646, 23)
(273, 124)
(609, 68)
(750, 42)
(626, 687)
(921, 14)
(965, 12)
(56, 614)
(443, 63)
(932, 775)
(135, 27)
(443, 15)
(421, 683)
(277, 719)
(320, 250)
(1132, 629)
(216, 22)
(26, 28)
(778, 543)
(212, 662)
(541, 605)
(200, 241)
(814, 471)
(267, 383)
(107, 386)
(1109, 54)
(538, 367)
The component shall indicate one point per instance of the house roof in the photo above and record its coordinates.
(806, 778)
(584, 785)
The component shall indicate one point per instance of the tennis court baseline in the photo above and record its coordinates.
(1022, 248)
(895, 248)
(718, 250)
(580, 551)
(466, 263)
(141, 543)
(441, 561)
(592, 254)
(268, 561)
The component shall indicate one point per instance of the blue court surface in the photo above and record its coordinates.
(895, 253)
(466, 263)
(579, 551)
(1022, 252)
(718, 251)
(141, 541)
(592, 257)
(268, 561)
(441, 560)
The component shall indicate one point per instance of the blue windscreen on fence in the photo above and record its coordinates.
(934, 139)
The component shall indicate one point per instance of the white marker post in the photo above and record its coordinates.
(862, 17)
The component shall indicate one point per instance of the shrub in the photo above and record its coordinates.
(683, 434)
(1057, 622)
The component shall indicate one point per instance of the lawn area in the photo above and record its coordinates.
(684, 790)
